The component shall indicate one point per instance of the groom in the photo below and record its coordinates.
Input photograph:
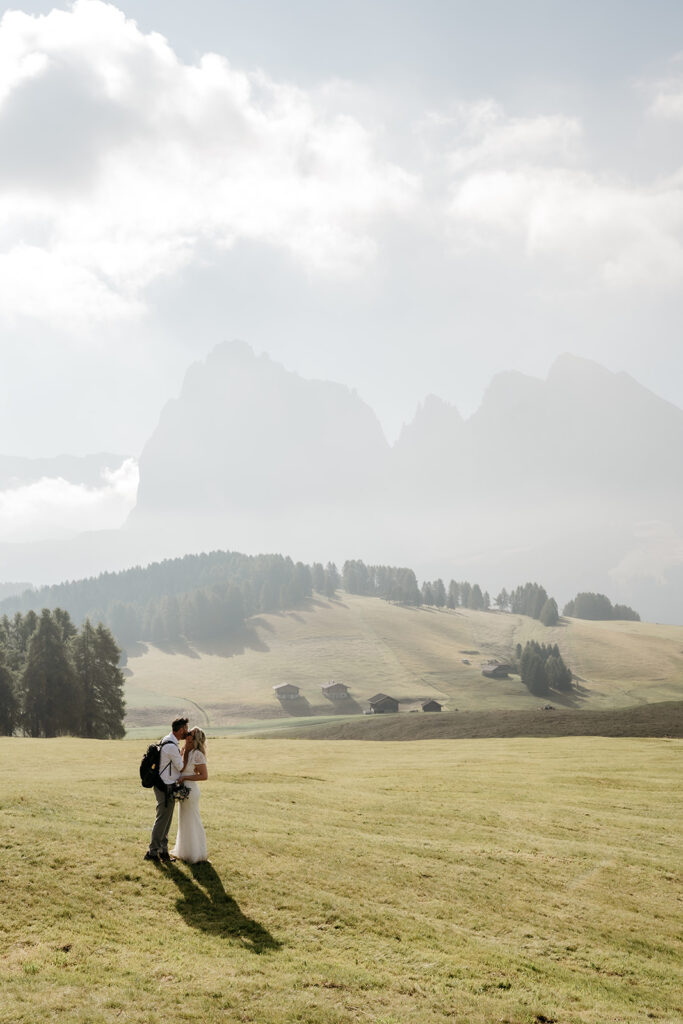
(170, 769)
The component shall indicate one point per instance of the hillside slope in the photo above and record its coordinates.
(652, 720)
(409, 653)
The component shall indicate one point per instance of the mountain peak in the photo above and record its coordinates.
(246, 432)
(568, 365)
(433, 417)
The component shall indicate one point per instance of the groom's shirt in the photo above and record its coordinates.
(170, 760)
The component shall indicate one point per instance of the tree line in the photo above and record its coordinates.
(197, 597)
(458, 595)
(207, 596)
(400, 585)
(58, 680)
(385, 581)
(597, 606)
(530, 599)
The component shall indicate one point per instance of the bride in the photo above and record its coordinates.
(190, 844)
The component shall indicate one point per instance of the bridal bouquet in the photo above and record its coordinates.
(181, 791)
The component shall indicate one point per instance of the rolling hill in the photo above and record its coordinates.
(410, 653)
(664, 720)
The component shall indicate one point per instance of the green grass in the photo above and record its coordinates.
(243, 727)
(409, 653)
(472, 882)
(661, 719)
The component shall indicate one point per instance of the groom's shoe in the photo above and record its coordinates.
(152, 856)
(166, 856)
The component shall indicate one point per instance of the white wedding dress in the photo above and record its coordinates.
(190, 844)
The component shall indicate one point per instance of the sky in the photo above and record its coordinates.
(405, 197)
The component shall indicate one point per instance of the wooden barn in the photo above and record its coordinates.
(496, 670)
(431, 705)
(286, 691)
(380, 704)
(335, 691)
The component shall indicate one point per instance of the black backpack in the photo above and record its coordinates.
(149, 766)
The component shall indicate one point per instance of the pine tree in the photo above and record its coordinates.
(359, 578)
(302, 583)
(410, 592)
(9, 705)
(528, 600)
(332, 579)
(535, 678)
(549, 614)
(318, 574)
(559, 677)
(96, 661)
(541, 668)
(109, 701)
(66, 626)
(52, 694)
(623, 611)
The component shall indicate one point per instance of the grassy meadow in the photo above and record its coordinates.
(515, 881)
(410, 653)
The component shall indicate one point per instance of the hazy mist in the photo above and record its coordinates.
(410, 213)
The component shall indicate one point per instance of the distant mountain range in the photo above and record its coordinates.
(575, 481)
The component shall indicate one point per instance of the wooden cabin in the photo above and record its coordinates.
(496, 670)
(335, 691)
(381, 704)
(431, 705)
(286, 691)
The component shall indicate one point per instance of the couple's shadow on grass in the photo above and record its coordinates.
(212, 910)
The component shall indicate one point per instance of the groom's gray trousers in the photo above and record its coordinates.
(159, 841)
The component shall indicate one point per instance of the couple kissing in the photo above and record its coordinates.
(189, 767)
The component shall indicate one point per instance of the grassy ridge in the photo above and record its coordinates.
(410, 653)
(665, 719)
(492, 880)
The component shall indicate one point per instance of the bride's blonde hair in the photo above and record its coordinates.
(198, 739)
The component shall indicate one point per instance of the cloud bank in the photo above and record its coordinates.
(520, 182)
(120, 161)
(53, 507)
(122, 164)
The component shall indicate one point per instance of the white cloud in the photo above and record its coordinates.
(667, 95)
(119, 161)
(54, 507)
(520, 181)
(122, 165)
(480, 134)
(657, 548)
(36, 283)
(669, 102)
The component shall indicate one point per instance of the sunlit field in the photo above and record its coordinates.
(482, 881)
(410, 653)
